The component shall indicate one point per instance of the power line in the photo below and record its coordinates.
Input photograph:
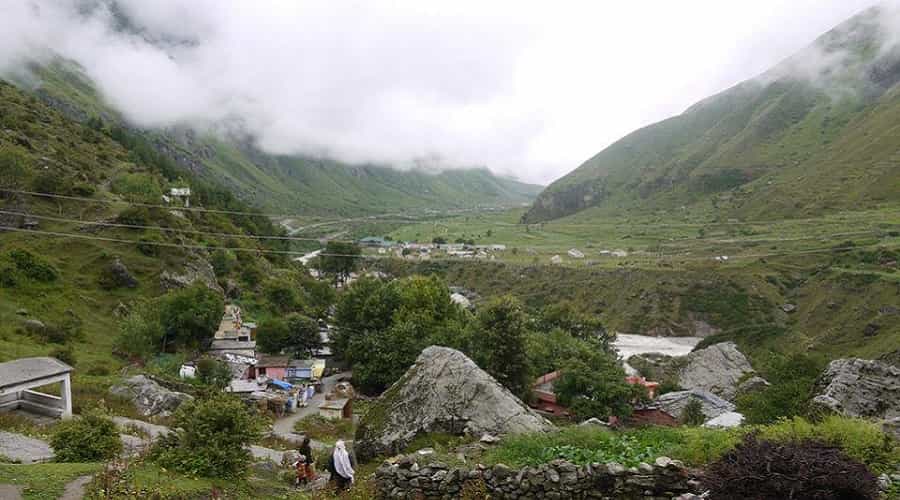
(161, 228)
(172, 245)
(378, 218)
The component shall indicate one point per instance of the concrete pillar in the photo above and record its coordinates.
(66, 395)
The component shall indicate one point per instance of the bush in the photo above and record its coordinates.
(91, 438)
(32, 266)
(692, 414)
(211, 438)
(64, 354)
(861, 440)
(214, 373)
(796, 469)
(792, 380)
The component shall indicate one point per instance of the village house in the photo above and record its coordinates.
(375, 242)
(544, 400)
(273, 367)
(575, 253)
(544, 397)
(336, 409)
(220, 347)
(651, 387)
(305, 370)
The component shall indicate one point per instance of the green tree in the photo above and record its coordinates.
(295, 334)
(382, 327)
(91, 438)
(141, 332)
(304, 335)
(565, 316)
(281, 295)
(594, 386)
(190, 315)
(692, 413)
(213, 372)
(501, 331)
(340, 259)
(211, 438)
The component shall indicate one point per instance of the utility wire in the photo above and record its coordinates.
(161, 228)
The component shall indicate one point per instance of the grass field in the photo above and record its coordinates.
(654, 241)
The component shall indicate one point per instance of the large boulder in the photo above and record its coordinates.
(720, 369)
(674, 403)
(149, 397)
(444, 391)
(860, 388)
(194, 270)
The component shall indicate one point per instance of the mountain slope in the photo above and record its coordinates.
(816, 132)
(288, 183)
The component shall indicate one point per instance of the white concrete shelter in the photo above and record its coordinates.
(20, 376)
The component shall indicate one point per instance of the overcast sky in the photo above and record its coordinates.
(530, 89)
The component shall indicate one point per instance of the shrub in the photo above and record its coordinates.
(91, 438)
(214, 373)
(692, 414)
(64, 354)
(211, 438)
(796, 469)
(33, 266)
(792, 380)
(861, 440)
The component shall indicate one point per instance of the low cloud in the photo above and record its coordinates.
(529, 90)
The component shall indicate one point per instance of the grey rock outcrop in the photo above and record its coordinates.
(34, 326)
(149, 397)
(673, 403)
(118, 276)
(194, 270)
(720, 369)
(444, 391)
(860, 388)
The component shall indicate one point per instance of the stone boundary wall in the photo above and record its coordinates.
(418, 477)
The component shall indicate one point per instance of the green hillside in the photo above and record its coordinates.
(61, 257)
(292, 184)
(798, 140)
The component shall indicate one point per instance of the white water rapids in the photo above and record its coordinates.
(628, 345)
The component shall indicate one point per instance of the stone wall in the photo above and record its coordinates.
(419, 477)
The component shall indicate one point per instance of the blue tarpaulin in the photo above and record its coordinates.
(281, 384)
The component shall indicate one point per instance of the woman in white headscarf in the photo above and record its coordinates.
(340, 464)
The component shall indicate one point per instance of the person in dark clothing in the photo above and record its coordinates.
(305, 472)
(341, 465)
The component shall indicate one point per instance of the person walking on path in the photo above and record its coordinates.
(305, 472)
(340, 464)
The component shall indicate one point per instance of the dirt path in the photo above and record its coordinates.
(284, 427)
(75, 489)
(10, 492)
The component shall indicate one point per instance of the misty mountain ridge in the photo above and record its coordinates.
(814, 133)
(229, 156)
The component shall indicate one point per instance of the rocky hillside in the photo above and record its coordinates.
(291, 184)
(815, 133)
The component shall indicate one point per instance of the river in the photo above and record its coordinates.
(628, 345)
